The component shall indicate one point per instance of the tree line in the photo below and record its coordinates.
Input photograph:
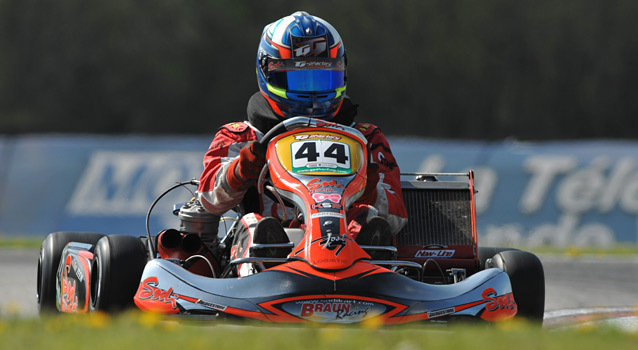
(462, 69)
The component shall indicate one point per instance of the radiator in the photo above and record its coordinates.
(439, 213)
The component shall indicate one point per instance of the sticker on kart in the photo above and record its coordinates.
(320, 153)
(334, 310)
(150, 297)
(73, 288)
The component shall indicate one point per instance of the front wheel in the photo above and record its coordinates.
(49, 261)
(527, 277)
(118, 263)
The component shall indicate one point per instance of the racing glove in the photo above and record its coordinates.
(244, 171)
(369, 195)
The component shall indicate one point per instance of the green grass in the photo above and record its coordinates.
(618, 250)
(147, 331)
(21, 241)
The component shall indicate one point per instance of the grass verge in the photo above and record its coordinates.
(21, 241)
(147, 331)
(572, 251)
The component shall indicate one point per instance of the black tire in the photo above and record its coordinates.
(49, 261)
(527, 276)
(118, 263)
(485, 253)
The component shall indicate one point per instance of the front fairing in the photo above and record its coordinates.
(322, 170)
(294, 293)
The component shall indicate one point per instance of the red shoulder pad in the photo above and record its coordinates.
(365, 128)
(235, 127)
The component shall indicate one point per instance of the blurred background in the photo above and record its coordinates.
(101, 98)
(447, 69)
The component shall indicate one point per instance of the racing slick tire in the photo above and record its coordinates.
(527, 277)
(118, 263)
(49, 261)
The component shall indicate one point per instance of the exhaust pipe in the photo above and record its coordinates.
(191, 243)
(173, 244)
(170, 239)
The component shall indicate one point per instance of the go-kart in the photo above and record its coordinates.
(434, 271)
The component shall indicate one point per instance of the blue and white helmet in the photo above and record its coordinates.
(301, 67)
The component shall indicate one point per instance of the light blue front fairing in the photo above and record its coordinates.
(198, 294)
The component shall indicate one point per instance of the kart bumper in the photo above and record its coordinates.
(295, 293)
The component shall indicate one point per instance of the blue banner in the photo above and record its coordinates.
(553, 193)
(549, 193)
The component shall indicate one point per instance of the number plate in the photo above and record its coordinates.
(320, 155)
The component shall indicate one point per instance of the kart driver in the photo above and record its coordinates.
(234, 160)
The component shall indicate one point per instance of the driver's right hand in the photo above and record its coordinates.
(244, 171)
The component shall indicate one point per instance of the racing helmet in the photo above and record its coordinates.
(301, 67)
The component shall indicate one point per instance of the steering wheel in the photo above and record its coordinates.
(286, 125)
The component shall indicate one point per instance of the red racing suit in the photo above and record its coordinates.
(218, 197)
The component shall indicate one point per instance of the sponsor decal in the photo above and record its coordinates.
(320, 197)
(72, 289)
(435, 253)
(316, 184)
(441, 312)
(334, 310)
(317, 136)
(210, 305)
(313, 47)
(495, 302)
(331, 260)
(69, 297)
(324, 214)
(250, 220)
(235, 126)
(324, 124)
(362, 126)
(331, 242)
(149, 291)
(79, 273)
(324, 63)
(276, 65)
(383, 161)
(326, 205)
(313, 64)
(341, 309)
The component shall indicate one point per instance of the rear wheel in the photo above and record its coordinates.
(49, 261)
(118, 264)
(527, 277)
(485, 253)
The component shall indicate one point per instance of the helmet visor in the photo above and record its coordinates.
(308, 80)
(313, 75)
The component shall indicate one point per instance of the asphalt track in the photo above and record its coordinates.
(578, 289)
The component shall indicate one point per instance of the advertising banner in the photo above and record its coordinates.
(552, 193)
(103, 184)
(549, 193)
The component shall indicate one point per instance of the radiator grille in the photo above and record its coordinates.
(437, 216)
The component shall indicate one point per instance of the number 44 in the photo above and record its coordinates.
(308, 150)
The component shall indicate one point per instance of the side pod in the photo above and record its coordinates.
(74, 278)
